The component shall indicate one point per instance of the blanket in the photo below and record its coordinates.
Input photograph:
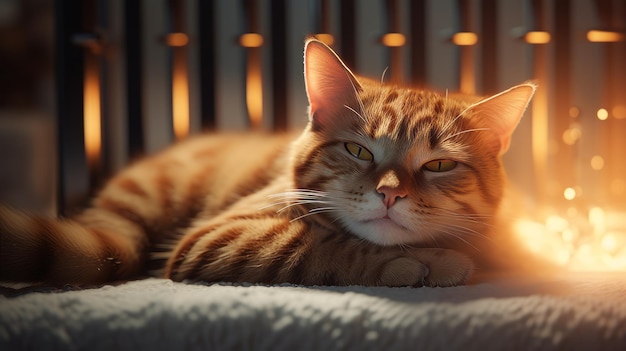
(572, 312)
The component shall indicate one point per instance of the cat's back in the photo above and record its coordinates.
(214, 169)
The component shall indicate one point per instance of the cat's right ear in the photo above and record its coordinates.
(330, 86)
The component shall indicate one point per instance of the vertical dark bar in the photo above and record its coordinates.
(324, 17)
(206, 30)
(348, 32)
(395, 52)
(465, 15)
(279, 63)
(489, 32)
(69, 94)
(134, 90)
(562, 82)
(467, 69)
(417, 39)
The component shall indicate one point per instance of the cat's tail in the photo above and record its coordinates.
(66, 251)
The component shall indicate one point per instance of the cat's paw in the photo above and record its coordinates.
(404, 271)
(446, 267)
(428, 267)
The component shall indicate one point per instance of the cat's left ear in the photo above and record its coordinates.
(330, 86)
(502, 112)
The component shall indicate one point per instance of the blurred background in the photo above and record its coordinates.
(86, 86)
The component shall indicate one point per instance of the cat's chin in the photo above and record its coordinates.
(383, 231)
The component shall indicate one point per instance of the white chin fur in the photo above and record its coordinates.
(383, 232)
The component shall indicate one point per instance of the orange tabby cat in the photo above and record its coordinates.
(387, 185)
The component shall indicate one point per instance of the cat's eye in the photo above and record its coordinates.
(440, 165)
(358, 151)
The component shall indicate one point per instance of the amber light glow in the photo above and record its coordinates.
(393, 39)
(92, 115)
(593, 241)
(537, 37)
(176, 39)
(254, 94)
(604, 36)
(180, 101)
(325, 38)
(465, 38)
(251, 40)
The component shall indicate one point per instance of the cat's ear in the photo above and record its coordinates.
(502, 112)
(330, 86)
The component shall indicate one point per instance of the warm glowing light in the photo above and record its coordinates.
(180, 101)
(569, 193)
(604, 36)
(254, 93)
(91, 115)
(597, 219)
(537, 37)
(393, 39)
(465, 38)
(325, 38)
(571, 135)
(609, 243)
(602, 114)
(251, 40)
(597, 162)
(176, 39)
(619, 112)
(580, 243)
(574, 112)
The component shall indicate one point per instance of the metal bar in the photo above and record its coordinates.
(395, 51)
(489, 32)
(348, 32)
(279, 63)
(206, 30)
(69, 71)
(134, 76)
(418, 42)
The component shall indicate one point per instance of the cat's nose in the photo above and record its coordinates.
(392, 189)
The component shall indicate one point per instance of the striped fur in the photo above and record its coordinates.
(300, 209)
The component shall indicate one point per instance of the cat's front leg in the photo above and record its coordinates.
(428, 267)
(275, 250)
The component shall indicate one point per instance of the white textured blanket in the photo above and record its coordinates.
(578, 312)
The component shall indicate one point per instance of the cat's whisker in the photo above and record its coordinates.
(382, 77)
(311, 213)
(467, 230)
(459, 237)
(291, 203)
(359, 100)
(301, 203)
(355, 112)
(451, 123)
(465, 131)
(299, 192)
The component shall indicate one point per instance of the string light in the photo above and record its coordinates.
(537, 37)
(176, 39)
(597, 162)
(569, 193)
(251, 40)
(604, 36)
(393, 39)
(602, 114)
(465, 38)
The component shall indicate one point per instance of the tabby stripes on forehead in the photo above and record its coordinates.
(391, 97)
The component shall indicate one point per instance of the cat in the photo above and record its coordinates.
(386, 186)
